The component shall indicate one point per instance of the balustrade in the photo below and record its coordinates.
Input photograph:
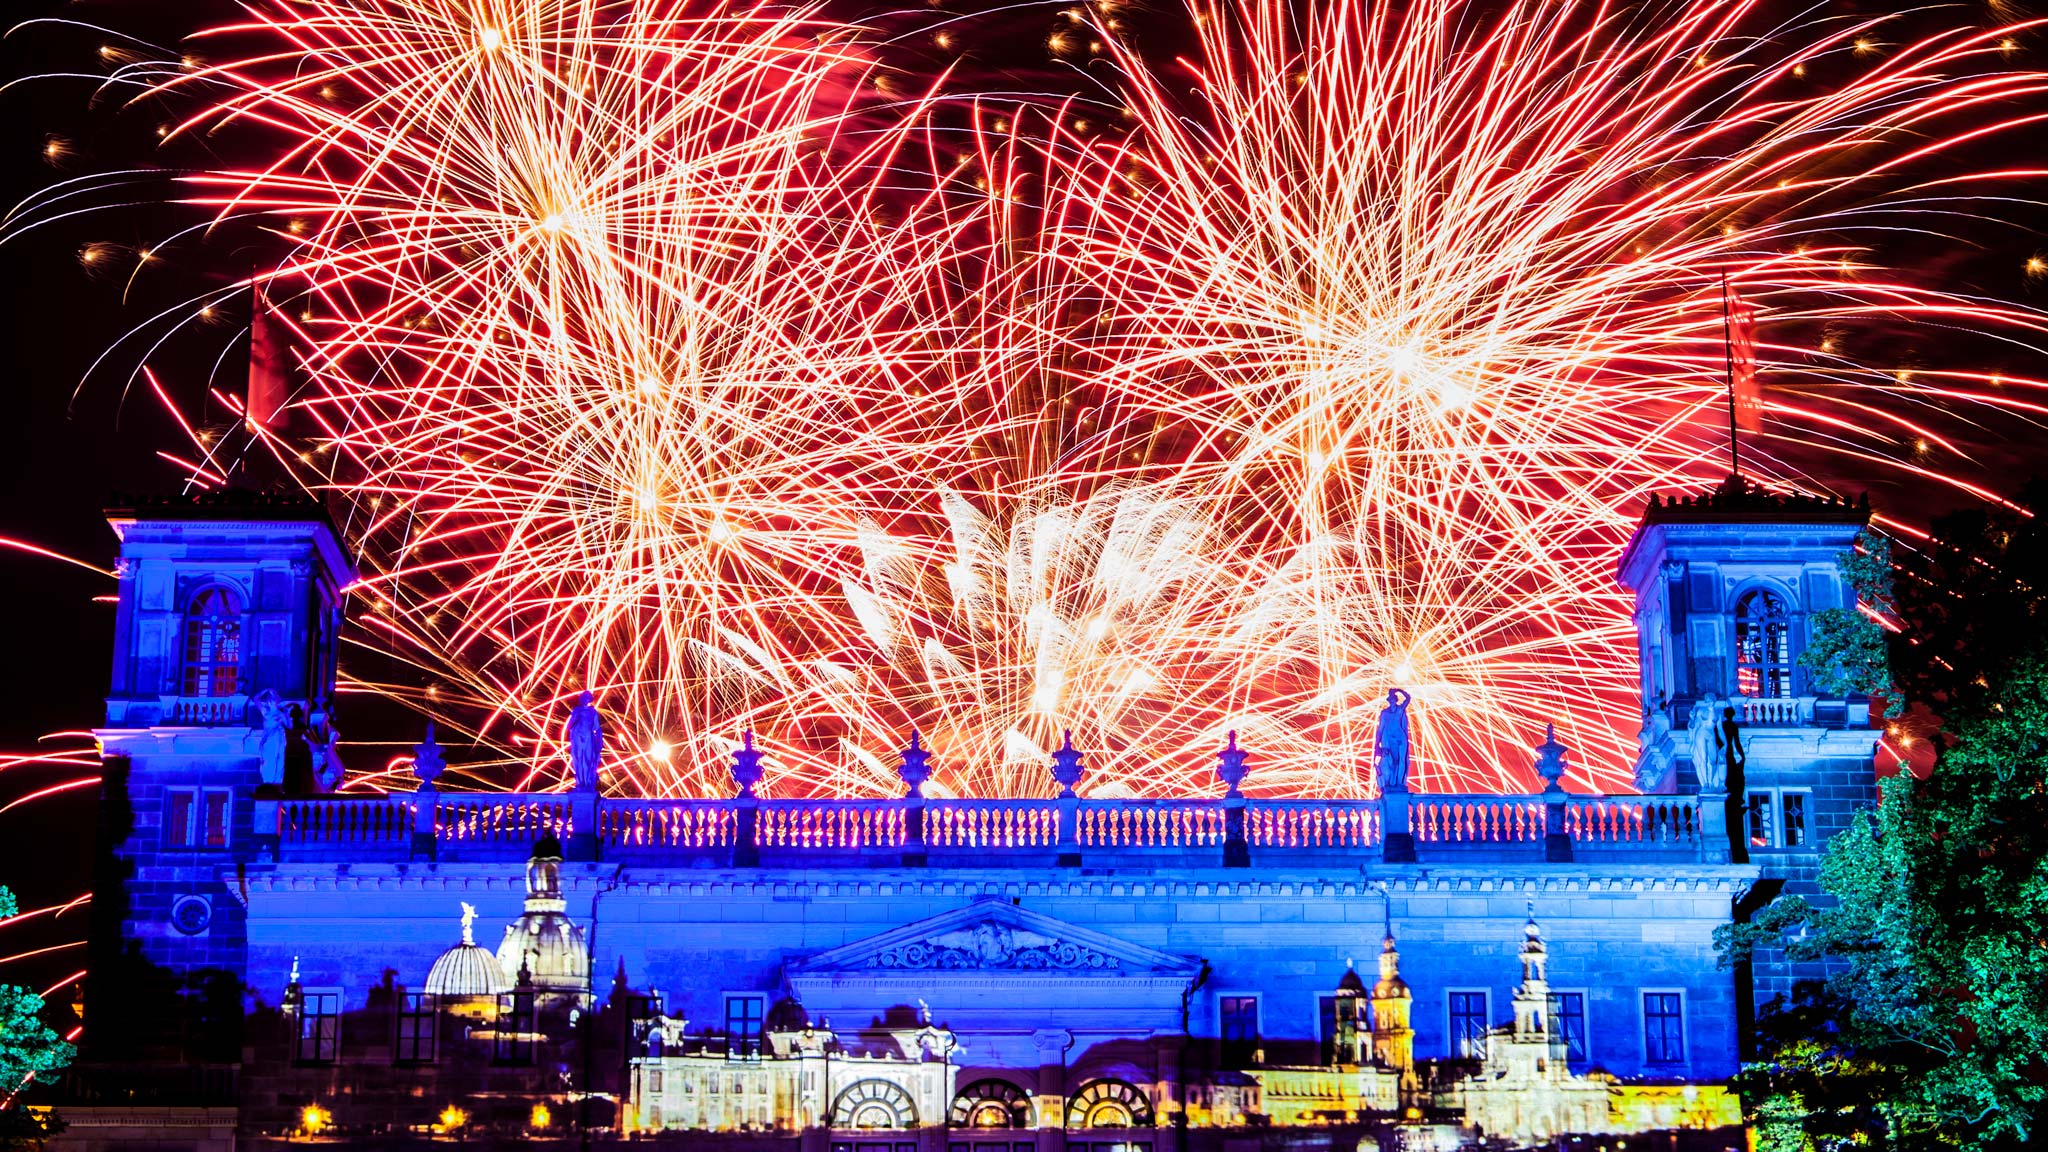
(1312, 824)
(1150, 824)
(346, 820)
(485, 818)
(510, 824)
(991, 823)
(665, 824)
(829, 824)
(1475, 819)
(1784, 712)
(207, 711)
(1632, 820)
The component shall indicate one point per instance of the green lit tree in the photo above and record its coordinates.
(28, 1048)
(1930, 1029)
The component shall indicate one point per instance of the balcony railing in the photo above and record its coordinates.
(747, 832)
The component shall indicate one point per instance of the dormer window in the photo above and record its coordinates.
(213, 644)
(1763, 646)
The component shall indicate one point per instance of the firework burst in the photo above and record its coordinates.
(660, 349)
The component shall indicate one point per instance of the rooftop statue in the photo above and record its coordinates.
(1390, 746)
(585, 737)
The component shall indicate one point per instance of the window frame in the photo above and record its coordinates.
(193, 831)
(1451, 1017)
(1766, 669)
(1239, 1052)
(1776, 813)
(759, 1021)
(1557, 1018)
(199, 671)
(1684, 1057)
(324, 1043)
(512, 1036)
(411, 1044)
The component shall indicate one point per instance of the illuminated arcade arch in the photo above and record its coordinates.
(1109, 1104)
(874, 1104)
(991, 1103)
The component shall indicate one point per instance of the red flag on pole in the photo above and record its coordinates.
(269, 362)
(1745, 395)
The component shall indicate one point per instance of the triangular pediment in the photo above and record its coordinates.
(996, 936)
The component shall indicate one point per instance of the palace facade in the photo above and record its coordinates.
(273, 961)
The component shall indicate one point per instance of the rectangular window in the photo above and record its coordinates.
(417, 1026)
(743, 1015)
(1239, 1018)
(213, 810)
(654, 1082)
(1792, 827)
(178, 815)
(1568, 1024)
(1663, 1028)
(1468, 1016)
(515, 1028)
(319, 1026)
(1760, 822)
(196, 817)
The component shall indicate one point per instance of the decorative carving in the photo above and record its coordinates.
(993, 945)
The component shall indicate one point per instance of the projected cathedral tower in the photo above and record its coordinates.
(921, 974)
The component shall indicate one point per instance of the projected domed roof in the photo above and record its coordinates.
(468, 969)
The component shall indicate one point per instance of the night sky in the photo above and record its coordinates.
(75, 437)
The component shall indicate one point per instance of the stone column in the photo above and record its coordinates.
(583, 812)
(1050, 1101)
(1715, 845)
(1397, 846)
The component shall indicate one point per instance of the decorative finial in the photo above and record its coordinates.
(1531, 930)
(427, 761)
(1230, 765)
(1550, 765)
(295, 971)
(916, 766)
(746, 764)
(1067, 767)
(468, 924)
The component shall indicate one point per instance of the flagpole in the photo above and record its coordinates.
(1728, 352)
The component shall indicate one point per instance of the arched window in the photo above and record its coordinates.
(1109, 1104)
(1763, 646)
(874, 1104)
(991, 1103)
(213, 644)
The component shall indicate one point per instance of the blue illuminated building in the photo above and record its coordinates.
(272, 960)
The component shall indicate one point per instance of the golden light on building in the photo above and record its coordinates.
(540, 1117)
(452, 1119)
(315, 1120)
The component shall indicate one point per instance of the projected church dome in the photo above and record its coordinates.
(544, 940)
(468, 969)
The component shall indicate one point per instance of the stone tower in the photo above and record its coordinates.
(1726, 585)
(1393, 1034)
(219, 701)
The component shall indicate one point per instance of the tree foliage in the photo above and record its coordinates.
(1846, 650)
(28, 1047)
(1931, 1027)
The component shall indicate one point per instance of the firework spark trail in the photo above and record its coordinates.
(644, 348)
(1435, 292)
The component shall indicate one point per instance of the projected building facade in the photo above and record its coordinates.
(936, 973)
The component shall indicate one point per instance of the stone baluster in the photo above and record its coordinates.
(746, 772)
(1230, 768)
(915, 769)
(1067, 770)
